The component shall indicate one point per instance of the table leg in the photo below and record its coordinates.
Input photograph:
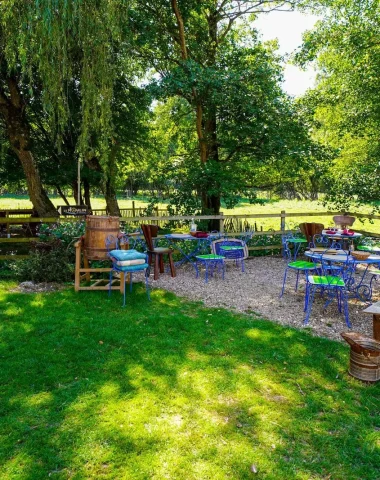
(187, 257)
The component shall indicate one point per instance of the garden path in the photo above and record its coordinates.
(256, 291)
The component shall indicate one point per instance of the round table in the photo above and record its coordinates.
(361, 290)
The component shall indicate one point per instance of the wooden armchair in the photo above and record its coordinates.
(311, 229)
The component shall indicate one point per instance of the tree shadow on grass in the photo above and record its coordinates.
(169, 389)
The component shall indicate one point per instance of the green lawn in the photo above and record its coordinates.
(168, 389)
(244, 207)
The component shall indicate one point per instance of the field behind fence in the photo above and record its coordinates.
(18, 229)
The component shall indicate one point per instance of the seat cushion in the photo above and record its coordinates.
(162, 250)
(133, 268)
(326, 281)
(126, 263)
(303, 265)
(210, 257)
(122, 255)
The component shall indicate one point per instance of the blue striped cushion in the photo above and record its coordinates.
(133, 268)
(127, 255)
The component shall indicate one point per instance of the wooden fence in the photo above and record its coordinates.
(224, 221)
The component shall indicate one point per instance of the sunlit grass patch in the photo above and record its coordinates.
(170, 389)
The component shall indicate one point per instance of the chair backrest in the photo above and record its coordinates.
(311, 229)
(286, 253)
(241, 253)
(320, 241)
(342, 270)
(150, 232)
(112, 243)
(344, 220)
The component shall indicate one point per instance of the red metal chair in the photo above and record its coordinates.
(150, 232)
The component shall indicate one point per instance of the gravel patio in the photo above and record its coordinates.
(256, 291)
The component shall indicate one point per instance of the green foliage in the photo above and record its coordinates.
(76, 36)
(231, 114)
(65, 233)
(345, 104)
(51, 264)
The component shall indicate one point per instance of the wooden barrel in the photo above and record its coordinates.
(363, 368)
(98, 228)
(364, 357)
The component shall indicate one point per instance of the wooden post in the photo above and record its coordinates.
(86, 265)
(8, 229)
(133, 208)
(221, 225)
(283, 216)
(78, 251)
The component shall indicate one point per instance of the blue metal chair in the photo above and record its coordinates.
(232, 249)
(126, 262)
(298, 266)
(292, 240)
(321, 241)
(211, 262)
(333, 282)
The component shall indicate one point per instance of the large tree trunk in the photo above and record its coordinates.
(111, 200)
(109, 190)
(108, 186)
(211, 203)
(206, 124)
(12, 109)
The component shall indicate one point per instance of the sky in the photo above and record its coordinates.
(288, 27)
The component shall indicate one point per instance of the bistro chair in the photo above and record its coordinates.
(298, 266)
(232, 249)
(290, 239)
(320, 241)
(334, 283)
(157, 253)
(126, 262)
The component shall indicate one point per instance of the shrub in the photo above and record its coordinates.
(66, 233)
(46, 264)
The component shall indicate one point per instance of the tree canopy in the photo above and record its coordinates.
(346, 101)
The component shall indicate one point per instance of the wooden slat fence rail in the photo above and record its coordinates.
(136, 218)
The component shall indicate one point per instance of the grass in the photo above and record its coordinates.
(244, 207)
(172, 390)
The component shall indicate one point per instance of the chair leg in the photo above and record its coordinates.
(309, 304)
(283, 282)
(171, 264)
(306, 296)
(156, 267)
(147, 283)
(109, 286)
(125, 288)
(161, 257)
(345, 307)
(297, 279)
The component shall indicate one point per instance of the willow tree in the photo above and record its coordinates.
(42, 43)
